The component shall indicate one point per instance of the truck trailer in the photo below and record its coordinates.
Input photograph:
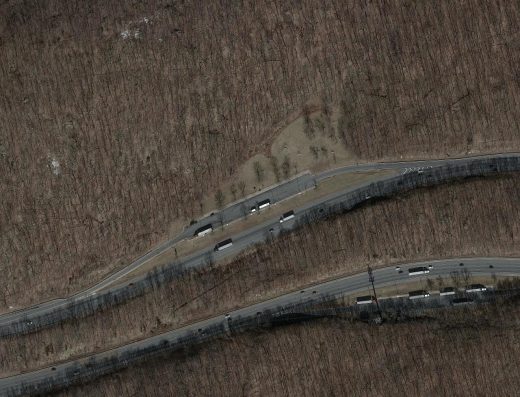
(223, 245)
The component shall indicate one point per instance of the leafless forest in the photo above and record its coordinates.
(457, 353)
(470, 218)
(117, 118)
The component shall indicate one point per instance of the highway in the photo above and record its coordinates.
(405, 166)
(351, 285)
(253, 235)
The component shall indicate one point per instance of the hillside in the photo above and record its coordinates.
(119, 120)
(475, 217)
(457, 353)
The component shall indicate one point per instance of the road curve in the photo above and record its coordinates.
(355, 284)
(258, 232)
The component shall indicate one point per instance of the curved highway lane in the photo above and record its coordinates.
(357, 284)
(253, 235)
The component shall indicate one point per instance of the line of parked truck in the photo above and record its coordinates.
(259, 206)
(418, 294)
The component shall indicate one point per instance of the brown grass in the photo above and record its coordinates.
(145, 127)
(456, 353)
(471, 218)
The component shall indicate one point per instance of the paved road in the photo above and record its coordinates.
(253, 235)
(405, 166)
(357, 284)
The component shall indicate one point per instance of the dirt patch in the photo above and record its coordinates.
(310, 142)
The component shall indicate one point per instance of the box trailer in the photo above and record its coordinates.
(363, 300)
(418, 294)
(476, 288)
(287, 216)
(264, 204)
(447, 291)
(414, 271)
(223, 245)
(202, 231)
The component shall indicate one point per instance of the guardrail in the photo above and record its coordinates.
(374, 191)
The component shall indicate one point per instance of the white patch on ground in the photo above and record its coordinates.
(131, 34)
(132, 30)
(55, 166)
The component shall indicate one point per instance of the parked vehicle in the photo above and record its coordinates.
(414, 271)
(418, 294)
(264, 204)
(476, 288)
(447, 291)
(223, 245)
(202, 231)
(287, 216)
(363, 300)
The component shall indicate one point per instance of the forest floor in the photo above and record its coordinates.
(120, 122)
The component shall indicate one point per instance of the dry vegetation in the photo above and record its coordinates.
(118, 118)
(457, 353)
(470, 218)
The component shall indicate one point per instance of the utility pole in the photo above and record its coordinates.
(371, 279)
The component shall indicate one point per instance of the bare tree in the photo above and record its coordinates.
(318, 125)
(324, 151)
(220, 198)
(456, 278)
(242, 188)
(286, 167)
(220, 217)
(259, 171)
(308, 128)
(327, 119)
(315, 151)
(233, 190)
(466, 276)
(430, 284)
(276, 168)
(243, 210)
